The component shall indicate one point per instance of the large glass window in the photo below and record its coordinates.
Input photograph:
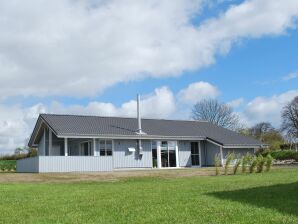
(168, 153)
(105, 148)
(154, 154)
(195, 154)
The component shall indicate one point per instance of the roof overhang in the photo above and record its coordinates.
(142, 137)
(236, 146)
(39, 124)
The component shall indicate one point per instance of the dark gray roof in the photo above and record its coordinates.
(75, 125)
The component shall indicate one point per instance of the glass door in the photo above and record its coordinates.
(195, 154)
(164, 154)
(168, 153)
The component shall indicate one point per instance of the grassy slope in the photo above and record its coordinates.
(256, 198)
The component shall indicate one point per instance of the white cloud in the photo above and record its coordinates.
(236, 103)
(79, 48)
(16, 123)
(292, 75)
(159, 104)
(198, 91)
(267, 108)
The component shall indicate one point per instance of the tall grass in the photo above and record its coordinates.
(245, 162)
(230, 158)
(217, 164)
(269, 161)
(260, 163)
(237, 164)
(253, 164)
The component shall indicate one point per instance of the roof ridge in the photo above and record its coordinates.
(145, 118)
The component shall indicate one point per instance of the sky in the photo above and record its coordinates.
(94, 56)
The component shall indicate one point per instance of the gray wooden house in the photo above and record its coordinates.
(72, 143)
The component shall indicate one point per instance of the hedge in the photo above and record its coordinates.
(284, 154)
(7, 165)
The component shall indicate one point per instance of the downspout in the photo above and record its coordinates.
(139, 131)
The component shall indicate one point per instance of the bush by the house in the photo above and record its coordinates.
(7, 165)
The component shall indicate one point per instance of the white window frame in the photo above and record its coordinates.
(196, 154)
(160, 148)
(105, 149)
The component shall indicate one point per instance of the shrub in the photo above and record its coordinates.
(285, 154)
(230, 158)
(269, 161)
(236, 166)
(253, 165)
(260, 163)
(7, 165)
(217, 164)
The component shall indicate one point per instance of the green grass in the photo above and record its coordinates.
(246, 198)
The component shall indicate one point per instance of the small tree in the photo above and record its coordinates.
(32, 152)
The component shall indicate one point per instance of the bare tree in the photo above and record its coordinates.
(260, 129)
(216, 113)
(290, 119)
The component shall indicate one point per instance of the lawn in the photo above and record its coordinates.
(249, 198)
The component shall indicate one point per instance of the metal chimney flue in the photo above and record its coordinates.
(139, 114)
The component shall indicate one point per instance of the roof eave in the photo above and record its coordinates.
(112, 136)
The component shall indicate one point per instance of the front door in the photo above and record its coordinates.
(195, 154)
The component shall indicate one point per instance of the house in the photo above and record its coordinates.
(72, 143)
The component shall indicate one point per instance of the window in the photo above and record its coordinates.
(85, 149)
(195, 154)
(105, 148)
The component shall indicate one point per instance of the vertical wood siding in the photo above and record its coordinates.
(124, 159)
(211, 151)
(239, 152)
(75, 164)
(28, 165)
